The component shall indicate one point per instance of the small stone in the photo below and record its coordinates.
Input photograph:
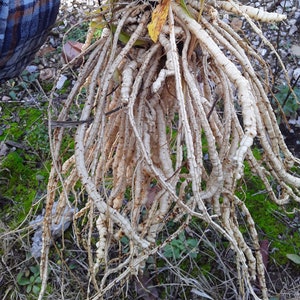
(293, 30)
(61, 81)
(292, 22)
(31, 69)
(296, 73)
(263, 52)
(295, 49)
(39, 177)
(286, 4)
(5, 98)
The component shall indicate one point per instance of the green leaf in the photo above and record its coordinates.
(168, 251)
(72, 266)
(35, 269)
(178, 244)
(186, 10)
(23, 280)
(193, 253)
(13, 95)
(192, 243)
(181, 236)
(36, 289)
(28, 289)
(294, 258)
(38, 280)
(124, 37)
(177, 253)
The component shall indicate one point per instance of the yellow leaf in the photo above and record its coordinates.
(159, 17)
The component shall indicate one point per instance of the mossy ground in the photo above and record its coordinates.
(24, 168)
(272, 221)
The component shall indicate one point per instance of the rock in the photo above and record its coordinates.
(61, 81)
(295, 49)
(296, 73)
(263, 52)
(31, 69)
(5, 99)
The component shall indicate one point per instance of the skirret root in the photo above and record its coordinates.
(173, 123)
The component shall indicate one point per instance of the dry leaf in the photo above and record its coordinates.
(159, 17)
(3, 149)
(47, 74)
(236, 24)
(264, 250)
(45, 50)
(70, 50)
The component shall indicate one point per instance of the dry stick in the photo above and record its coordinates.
(136, 262)
(93, 97)
(255, 241)
(155, 170)
(237, 234)
(267, 114)
(113, 63)
(92, 191)
(230, 34)
(228, 111)
(164, 206)
(180, 96)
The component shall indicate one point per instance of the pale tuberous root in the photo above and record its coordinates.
(171, 119)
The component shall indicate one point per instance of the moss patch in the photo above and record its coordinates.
(282, 237)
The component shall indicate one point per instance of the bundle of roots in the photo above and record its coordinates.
(163, 135)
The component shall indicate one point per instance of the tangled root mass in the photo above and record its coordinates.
(165, 131)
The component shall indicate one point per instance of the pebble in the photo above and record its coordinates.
(61, 81)
(5, 98)
(31, 68)
(286, 3)
(296, 73)
(295, 50)
(263, 52)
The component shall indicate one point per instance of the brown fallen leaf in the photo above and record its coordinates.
(146, 288)
(236, 24)
(264, 250)
(72, 49)
(45, 50)
(47, 74)
(4, 149)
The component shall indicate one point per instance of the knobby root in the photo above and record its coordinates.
(172, 126)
